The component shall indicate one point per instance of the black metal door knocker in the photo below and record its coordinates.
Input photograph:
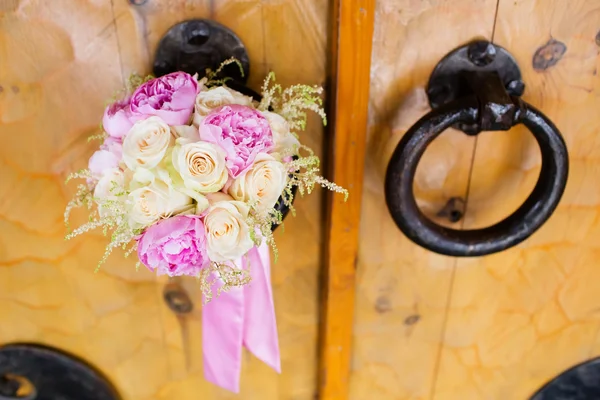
(476, 88)
(196, 45)
(34, 372)
(580, 382)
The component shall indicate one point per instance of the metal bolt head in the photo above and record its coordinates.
(471, 129)
(162, 67)
(516, 88)
(194, 45)
(439, 94)
(196, 33)
(481, 53)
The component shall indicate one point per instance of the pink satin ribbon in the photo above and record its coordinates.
(243, 316)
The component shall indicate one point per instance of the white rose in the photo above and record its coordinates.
(110, 187)
(202, 83)
(146, 143)
(201, 165)
(144, 177)
(262, 184)
(209, 99)
(218, 196)
(227, 233)
(283, 138)
(157, 200)
(185, 131)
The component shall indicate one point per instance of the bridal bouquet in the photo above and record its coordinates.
(189, 172)
(188, 175)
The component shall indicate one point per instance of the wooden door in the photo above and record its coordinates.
(496, 327)
(425, 326)
(60, 61)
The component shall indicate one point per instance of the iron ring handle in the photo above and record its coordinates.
(528, 218)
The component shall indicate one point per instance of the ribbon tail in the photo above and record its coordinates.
(260, 326)
(222, 337)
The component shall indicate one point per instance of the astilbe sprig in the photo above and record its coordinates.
(113, 220)
(82, 198)
(305, 174)
(134, 81)
(98, 136)
(212, 77)
(293, 102)
(264, 222)
(228, 275)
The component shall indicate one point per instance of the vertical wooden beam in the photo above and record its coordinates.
(352, 35)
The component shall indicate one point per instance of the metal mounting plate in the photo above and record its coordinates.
(581, 382)
(446, 82)
(193, 46)
(52, 373)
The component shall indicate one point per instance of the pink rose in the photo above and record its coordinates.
(113, 145)
(116, 120)
(239, 130)
(174, 246)
(101, 161)
(170, 97)
(108, 157)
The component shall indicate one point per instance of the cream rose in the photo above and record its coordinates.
(283, 138)
(185, 131)
(110, 187)
(227, 233)
(157, 200)
(217, 197)
(144, 177)
(146, 143)
(262, 184)
(209, 99)
(201, 165)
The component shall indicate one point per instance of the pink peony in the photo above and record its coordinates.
(239, 130)
(116, 120)
(170, 97)
(174, 246)
(108, 157)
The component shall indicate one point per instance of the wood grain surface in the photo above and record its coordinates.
(351, 62)
(59, 62)
(518, 318)
(426, 326)
(496, 327)
(402, 290)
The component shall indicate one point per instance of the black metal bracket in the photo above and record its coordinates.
(487, 71)
(476, 88)
(197, 45)
(580, 382)
(52, 374)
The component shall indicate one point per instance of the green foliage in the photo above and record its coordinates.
(212, 77)
(113, 217)
(293, 102)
